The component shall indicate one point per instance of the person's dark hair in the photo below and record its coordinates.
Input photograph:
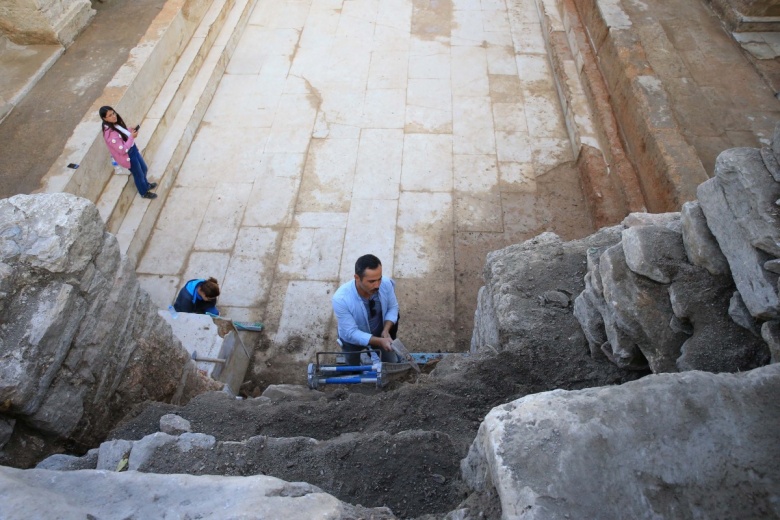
(119, 121)
(210, 288)
(366, 262)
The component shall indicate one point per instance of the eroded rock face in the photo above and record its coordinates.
(80, 343)
(95, 494)
(687, 445)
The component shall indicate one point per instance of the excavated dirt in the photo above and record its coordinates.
(399, 447)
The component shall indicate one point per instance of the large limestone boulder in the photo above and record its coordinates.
(687, 445)
(44, 494)
(80, 342)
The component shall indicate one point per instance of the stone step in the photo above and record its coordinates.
(164, 164)
(120, 191)
(131, 91)
(668, 169)
(608, 177)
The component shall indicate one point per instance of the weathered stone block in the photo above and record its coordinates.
(653, 252)
(173, 424)
(589, 309)
(111, 453)
(36, 232)
(291, 392)
(39, 327)
(750, 192)
(144, 449)
(612, 452)
(667, 220)
(638, 316)
(700, 244)
(61, 462)
(80, 343)
(756, 285)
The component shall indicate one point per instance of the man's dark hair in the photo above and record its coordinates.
(366, 262)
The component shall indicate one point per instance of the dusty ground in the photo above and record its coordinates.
(400, 447)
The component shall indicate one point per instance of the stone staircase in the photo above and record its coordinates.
(608, 177)
(172, 121)
(167, 84)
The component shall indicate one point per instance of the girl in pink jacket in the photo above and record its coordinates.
(121, 145)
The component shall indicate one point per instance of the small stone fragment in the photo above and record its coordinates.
(173, 424)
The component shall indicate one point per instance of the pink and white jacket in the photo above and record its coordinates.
(117, 147)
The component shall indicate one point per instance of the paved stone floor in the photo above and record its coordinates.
(424, 135)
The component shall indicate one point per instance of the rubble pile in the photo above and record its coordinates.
(695, 290)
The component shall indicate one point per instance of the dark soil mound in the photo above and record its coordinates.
(400, 447)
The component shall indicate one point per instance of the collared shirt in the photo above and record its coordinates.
(352, 314)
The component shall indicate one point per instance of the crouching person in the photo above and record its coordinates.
(198, 296)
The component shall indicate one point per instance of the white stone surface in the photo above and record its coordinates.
(48, 494)
(197, 333)
(338, 130)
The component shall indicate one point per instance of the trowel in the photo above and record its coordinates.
(406, 357)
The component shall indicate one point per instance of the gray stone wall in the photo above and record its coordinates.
(80, 342)
(700, 290)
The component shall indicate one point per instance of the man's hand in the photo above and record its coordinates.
(384, 342)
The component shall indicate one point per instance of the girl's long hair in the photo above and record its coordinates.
(119, 121)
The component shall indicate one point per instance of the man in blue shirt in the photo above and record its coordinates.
(367, 311)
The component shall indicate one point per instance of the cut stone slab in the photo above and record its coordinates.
(37, 493)
(689, 445)
(750, 191)
(198, 334)
(757, 286)
(653, 252)
(700, 245)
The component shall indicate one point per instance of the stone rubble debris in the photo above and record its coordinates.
(693, 297)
